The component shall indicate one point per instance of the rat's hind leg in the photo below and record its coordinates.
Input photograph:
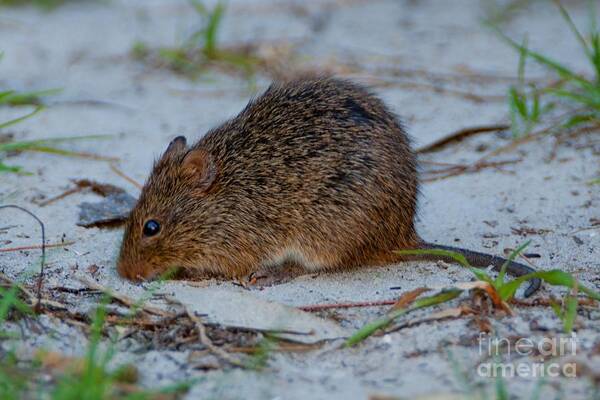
(291, 261)
(268, 275)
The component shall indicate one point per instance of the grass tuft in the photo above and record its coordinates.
(507, 289)
(12, 98)
(577, 94)
(504, 290)
(71, 378)
(201, 49)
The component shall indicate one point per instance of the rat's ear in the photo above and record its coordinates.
(178, 144)
(200, 164)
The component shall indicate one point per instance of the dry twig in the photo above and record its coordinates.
(205, 340)
(43, 247)
(328, 306)
(117, 171)
(124, 299)
(35, 247)
(460, 135)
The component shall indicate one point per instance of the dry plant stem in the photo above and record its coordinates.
(392, 69)
(117, 171)
(81, 184)
(32, 300)
(532, 136)
(43, 247)
(101, 189)
(328, 306)
(451, 313)
(281, 347)
(407, 298)
(124, 299)
(35, 247)
(387, 82)
(373, 303)
(464, 169)
(82, 154)
(439, 164)
(512, 145)
(205, 340)
(482, 162)
(547, 302)
(60, 196)
(459, 135)
(91, 102)
(590, 228)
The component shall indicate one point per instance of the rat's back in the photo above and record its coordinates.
(316, 159)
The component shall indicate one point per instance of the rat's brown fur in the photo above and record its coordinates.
(317, 170)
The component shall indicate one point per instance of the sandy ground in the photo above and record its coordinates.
(404, 49)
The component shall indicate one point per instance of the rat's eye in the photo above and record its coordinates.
(151, 228)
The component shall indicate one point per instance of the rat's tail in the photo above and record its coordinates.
(482, 260)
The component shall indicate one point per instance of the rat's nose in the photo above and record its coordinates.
(133, 271)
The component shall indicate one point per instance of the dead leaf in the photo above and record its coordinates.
(489, 290)
(407, 298)
(102, 189)
(447, 313)
(92, 269)
(451, 313)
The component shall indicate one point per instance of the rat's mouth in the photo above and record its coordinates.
(140, 272)
(137, 272)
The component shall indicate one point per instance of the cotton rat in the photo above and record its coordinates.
(316, 170)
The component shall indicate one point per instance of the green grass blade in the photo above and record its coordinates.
(557, 309)
(10, 168)
(595, 38)
(27, 98)
(592, 14)
(500, 388)
(54, 150)
(9, 300)
(580, 119)
(5, 94)
(199, 7)
(513, 255)
(560, 69)
(522, 60)
(27, 144)
(518, 102)
(553, 277)
(570, 313)
(210, 43)
(589, 99)
(423, 302)
(20, 119)
(372, 327)
(574, 29)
